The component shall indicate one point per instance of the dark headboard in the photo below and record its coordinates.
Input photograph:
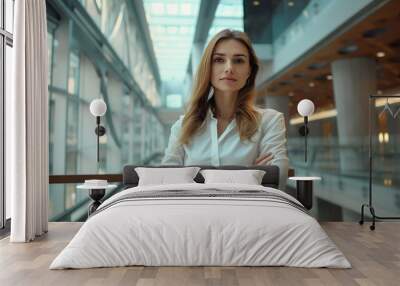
(270, 179)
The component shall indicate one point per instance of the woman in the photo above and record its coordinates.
(221, 125)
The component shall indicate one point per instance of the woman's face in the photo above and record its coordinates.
(230, 67)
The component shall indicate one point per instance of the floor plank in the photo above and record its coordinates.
(374, 255)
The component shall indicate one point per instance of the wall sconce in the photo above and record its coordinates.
(98, 108)
(305, 108)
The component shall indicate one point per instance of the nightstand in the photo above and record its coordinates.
(96, 193)
(304, 190)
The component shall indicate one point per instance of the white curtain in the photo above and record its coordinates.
(27, 123)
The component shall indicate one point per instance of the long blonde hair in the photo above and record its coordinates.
(247, 117)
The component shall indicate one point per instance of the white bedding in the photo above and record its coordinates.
(200, 231)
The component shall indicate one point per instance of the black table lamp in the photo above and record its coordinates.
(305, 109)
(98, 108)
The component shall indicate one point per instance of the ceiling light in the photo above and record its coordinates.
(320, 78)
(315, 66)
(284, 82)
(329, 77)
(316, 116)
(348, 49)
(256, 3)
(382, 101)
(380, 54)
(298, 75)
(374, 33)
(311, 84)
(291, 3)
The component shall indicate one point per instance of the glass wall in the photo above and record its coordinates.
(309, 39)
(106, 60)
(140, 57)
(345, 168)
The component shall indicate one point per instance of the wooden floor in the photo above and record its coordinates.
(374, 255)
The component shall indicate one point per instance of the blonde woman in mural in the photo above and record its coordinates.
(221, 125)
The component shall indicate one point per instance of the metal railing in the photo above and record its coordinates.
(344, 169)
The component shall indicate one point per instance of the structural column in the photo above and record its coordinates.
(279, 103)
(353, 80)
(197, 52)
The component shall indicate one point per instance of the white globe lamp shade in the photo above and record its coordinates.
(98, 107)
(305, 107)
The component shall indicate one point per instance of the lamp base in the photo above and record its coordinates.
(304, 192)
(100, 130)
(96, 195)
(303, 130)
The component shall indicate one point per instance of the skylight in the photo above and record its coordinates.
(172, 26)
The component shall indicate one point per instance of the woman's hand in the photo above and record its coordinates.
(264, 159)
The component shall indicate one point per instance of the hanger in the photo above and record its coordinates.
(397, 113)
(387, 108)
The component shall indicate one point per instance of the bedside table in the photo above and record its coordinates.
(304, 190)
(96, 193)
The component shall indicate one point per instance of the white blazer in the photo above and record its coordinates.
(206, 148)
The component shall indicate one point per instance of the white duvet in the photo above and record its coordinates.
(200, 231)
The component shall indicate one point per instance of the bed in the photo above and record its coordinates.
(201, 224)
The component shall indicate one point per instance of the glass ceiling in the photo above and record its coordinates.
(172, 27)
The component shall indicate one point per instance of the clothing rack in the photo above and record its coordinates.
(369, 205)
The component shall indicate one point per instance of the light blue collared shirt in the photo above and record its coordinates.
(206, 148)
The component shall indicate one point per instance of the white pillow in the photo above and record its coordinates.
(164, 176)
(249, 177)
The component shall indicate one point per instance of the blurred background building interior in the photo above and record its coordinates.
(140, 56)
